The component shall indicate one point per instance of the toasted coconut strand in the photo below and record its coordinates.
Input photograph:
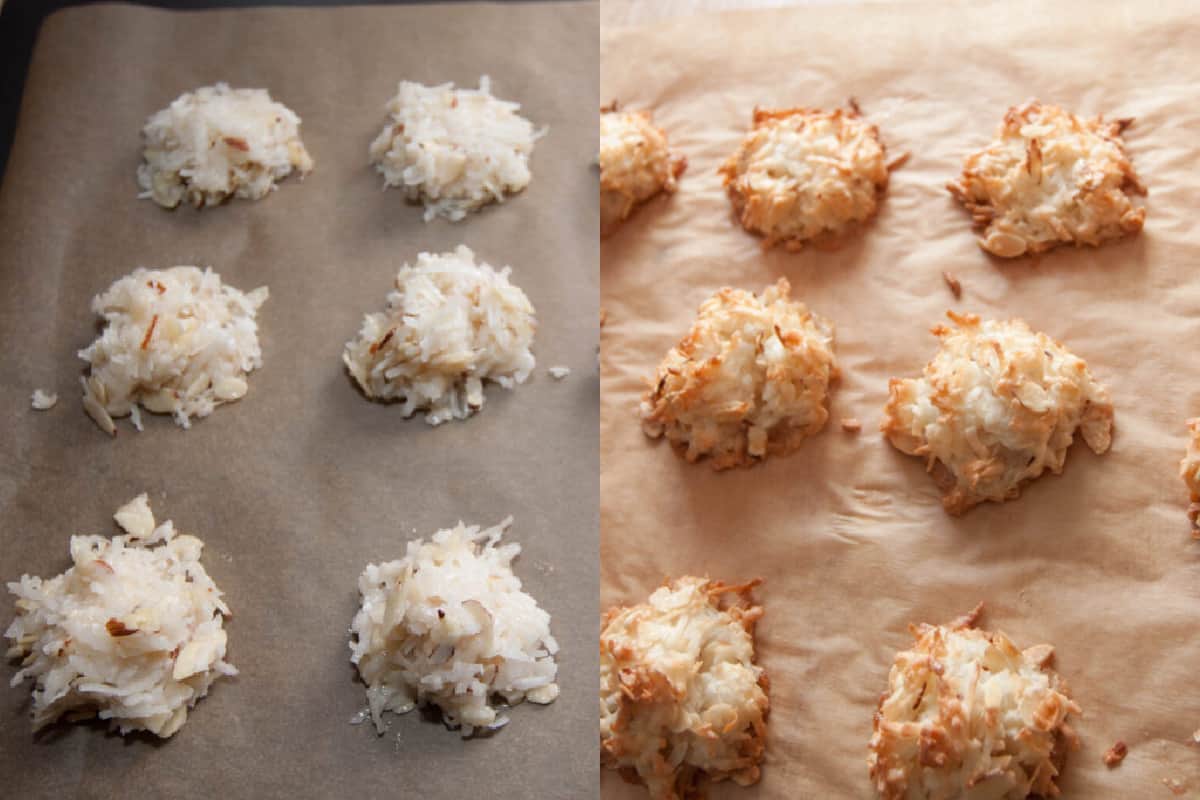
(804, 175)
(636, 163)
(749, 380)
(1115, 754)
(1050, 178)
(965, 707)
(997, 406)
(677, 676)
(952, 284)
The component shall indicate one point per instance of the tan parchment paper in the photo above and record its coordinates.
(847, 532)
(301, 484)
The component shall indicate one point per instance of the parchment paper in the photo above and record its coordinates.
(297, 487)
(847, 532)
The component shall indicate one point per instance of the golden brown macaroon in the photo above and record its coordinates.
(998, 405)
(968, 715)
(680, 695)
(806, 175)
(1189, 470)
(636, 163)
(1048, 179)
(749, 380)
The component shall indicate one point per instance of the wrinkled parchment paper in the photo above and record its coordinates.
(298, 486)
(847, 532)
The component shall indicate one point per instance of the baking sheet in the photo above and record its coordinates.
(847, 532)
(297, 487)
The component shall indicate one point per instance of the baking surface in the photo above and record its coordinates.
(298, 486)
(847, 532)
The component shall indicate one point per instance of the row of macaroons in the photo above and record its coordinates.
(808, 176)
(134, 633)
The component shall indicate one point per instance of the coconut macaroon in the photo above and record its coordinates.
(175, 341)
(805, 175)
(681, 698)
(216, 143)
(1189, 470)
(749, 380)
(448, 625)
(132, 633)
(968, 715)
(1050, 178)
(997, 406)
(450, 325)
(635, 163)
(455, 150)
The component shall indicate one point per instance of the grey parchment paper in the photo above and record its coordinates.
(298, 486)
(847, 532)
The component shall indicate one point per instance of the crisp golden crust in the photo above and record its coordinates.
(749, 380)
(804, 175)
(1048, 179)
(967, 715)
(636, 163)
(997, 406)
(680, 695)
(1189, 470)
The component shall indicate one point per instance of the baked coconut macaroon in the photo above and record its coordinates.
(1050, 178)
(1189, 470)
(749, 380)
(805, 175)
(681, 698)
(968, 715)
(997, 406)
(216, 143)
(636, 163)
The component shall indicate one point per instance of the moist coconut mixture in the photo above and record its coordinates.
(448, 625)
(750, 379)
(216, 143)
(635, 163)
(131, 633)
(175, 341)
(1048, 179)
(450, 325)
(455, 150)
(997, 406)
(680, 695)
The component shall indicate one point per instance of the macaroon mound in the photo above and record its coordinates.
(997, 406)
(1048, 179)
(448, 625)
(1189, 470)
(455, 150)
(749, 380)
(450, 325)
(681, 698)
(636, 163)
(132, 633)
(805, 175)
(968, 715)
(216, 143)
(175, 341)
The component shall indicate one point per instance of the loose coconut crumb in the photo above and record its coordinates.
(851, 425)
(450, 325)
(43, 400)
(1115, 754)
(636, 163)
(997, 406)
(456, 150)
(952, 284)
(132, 633)
(175, 341)
(558, 373)
(448, 625)
(681, 698)
(216, 143)
(749, 380)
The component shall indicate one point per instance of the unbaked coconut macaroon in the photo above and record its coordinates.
(216, 143)
(968, 715)
(455, 150)
(997, 406)
(175, 341)
(1048, 179)
(450, 325)
(749, 380)
(681, 697)
(635, 163)
(449, 625)
(805, 175)
(133, 633)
